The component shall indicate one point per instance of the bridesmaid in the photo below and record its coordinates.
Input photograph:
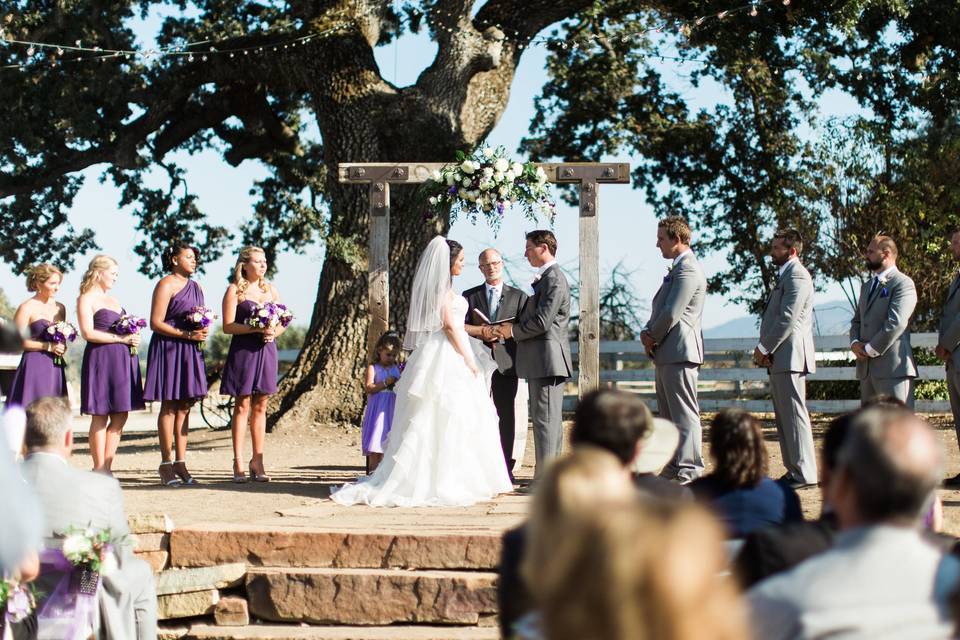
(37, 376)
(175, 371)
(250, 373)
(110, 383)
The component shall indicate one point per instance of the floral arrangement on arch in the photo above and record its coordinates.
(486, 184)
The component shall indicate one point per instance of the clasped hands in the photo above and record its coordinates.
(493, 332)
(649, 344)
(943, 353)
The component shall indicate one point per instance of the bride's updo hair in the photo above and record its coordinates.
(455, 249)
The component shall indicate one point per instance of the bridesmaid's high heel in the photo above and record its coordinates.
(173, 481)
(238, 478)
(185, 476)
(258, 477)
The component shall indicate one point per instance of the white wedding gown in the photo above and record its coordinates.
(444, 444)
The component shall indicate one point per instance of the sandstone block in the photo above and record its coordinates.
(199, 631)
(158, 560)
(200, 578)
(231, 611)
(152, 542)
(187, 605)
(371, 596)
(202, 546)
(150, 523)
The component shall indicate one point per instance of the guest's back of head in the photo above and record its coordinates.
(737, 448)
(612, 420)
(48, 423)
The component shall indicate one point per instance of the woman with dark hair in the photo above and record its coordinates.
(738, 489)
(444, 443)
(176, 375)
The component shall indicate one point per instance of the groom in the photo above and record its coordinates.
(543, 346)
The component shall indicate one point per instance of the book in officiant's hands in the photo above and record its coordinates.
(487, 321)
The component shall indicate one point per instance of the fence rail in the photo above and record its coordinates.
(729, 378)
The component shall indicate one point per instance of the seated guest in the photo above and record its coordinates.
(882, 578)
(20, 538)
(73, 497)
(640, 570)
(738, 488)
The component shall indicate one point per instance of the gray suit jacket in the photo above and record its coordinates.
(876, 582)
(511, 303)
(677, 313)
(883, 322)
(950, 323)
(543, 345)
(786, 329)
(73, 497)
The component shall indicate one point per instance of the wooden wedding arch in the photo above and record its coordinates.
(588, 176)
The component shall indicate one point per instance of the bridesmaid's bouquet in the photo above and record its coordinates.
(17, 600)
(129, 324)
(268, 315)
(61, 333)
(199, 318)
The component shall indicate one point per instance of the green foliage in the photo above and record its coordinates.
(6, 309)
(292, 338)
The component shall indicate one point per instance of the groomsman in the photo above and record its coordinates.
(495, 299)
(786, 350)
(948, 345)
(880, 329)
(674, 340)
(543, 345)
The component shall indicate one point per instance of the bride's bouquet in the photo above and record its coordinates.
(485, 184)
(268, 315)
(199, 318)
(61, 333)
(129, 324)
(17, 601)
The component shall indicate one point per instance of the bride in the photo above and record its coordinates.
(444, 446)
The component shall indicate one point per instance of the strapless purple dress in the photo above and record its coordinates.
(251, 365)
(110, 374)
(37, 376)
(175, 369)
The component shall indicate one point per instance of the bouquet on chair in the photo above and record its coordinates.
(61, 333)
(129, 324)
(84, 556)
(199, 318)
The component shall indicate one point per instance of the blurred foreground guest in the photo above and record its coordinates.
(738, 489)
(586, 477)
(72, 497)
(882, 578)
(636, 571)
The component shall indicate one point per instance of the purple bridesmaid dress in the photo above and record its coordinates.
(175, 369)
(37, 376)
(110, 374)
(251, 365)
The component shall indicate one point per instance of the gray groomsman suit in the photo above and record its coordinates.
(675, 325)
(882, 322)
(543, 359)
(949, 339)
(786, 335)
(73, 497)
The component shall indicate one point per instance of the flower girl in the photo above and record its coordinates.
(382, 373)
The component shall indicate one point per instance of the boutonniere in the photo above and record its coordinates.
(884, 292)
(666, 278)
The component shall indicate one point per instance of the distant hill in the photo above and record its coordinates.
(831, 318)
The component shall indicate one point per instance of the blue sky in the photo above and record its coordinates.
(627, 223)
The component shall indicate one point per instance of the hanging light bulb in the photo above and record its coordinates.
(753, 10)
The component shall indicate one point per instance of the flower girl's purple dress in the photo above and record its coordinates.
(37, 376)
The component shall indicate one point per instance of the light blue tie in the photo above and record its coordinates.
(492, 302)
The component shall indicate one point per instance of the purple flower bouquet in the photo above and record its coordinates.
(61, 333)
(269, 315)
(199, 318)
(129, 324)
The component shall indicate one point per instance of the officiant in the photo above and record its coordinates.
(489, 303)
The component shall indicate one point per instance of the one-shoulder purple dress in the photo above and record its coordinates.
(175, 369)
(37, 376)
(251, 365)
(110, 374)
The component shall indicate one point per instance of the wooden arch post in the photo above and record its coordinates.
(588, 176)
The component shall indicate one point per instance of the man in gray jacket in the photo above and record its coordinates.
(786, 350)
(543, 345)
(948, 345)
(880, 328)
(674, 340)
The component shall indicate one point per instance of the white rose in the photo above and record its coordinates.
(517, 169)
(498, 177)
(433, 199)
(488, 152)
(76, 545)
(467, 167)
(197, 317)
(510, 175)
(264, 313)
(466, 182)
(488, 172)
(436, 176)
(450, 179)
(541, 175)
(501, 165)
(503, 190)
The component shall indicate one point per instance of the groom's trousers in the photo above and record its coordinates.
(546, 413)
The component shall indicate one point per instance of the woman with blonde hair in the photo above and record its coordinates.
(110, 385)
(250, 372)
(38, 375)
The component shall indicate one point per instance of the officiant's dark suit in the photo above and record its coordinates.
(504, 384)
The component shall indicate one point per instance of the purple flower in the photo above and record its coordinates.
(129, 324)
(199, 318)
(452, 190)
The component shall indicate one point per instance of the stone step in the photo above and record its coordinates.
(372, 596)
(298, 632)
(296, 547)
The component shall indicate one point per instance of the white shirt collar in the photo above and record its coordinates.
(55, 456)
(677, 259)
(545, 266)
(886, 274)
(786, 264)
(495, 287)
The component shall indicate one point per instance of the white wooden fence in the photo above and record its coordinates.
(729, 377)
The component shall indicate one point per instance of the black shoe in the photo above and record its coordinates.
(796, 485)
(953, 483)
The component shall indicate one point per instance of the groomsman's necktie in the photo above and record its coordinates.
(492, 302)
(873, 287)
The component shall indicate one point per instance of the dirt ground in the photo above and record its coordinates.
(306, 462)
